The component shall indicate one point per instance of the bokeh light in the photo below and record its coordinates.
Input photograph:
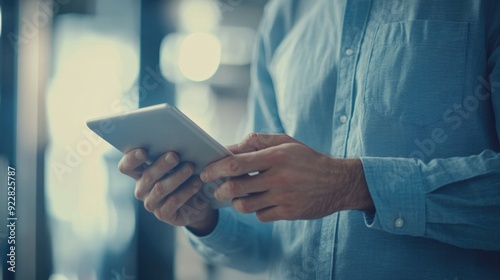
(199, 56)
(198, 15)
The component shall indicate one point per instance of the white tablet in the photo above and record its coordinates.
(159, 129)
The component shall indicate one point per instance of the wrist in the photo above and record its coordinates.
(205, 226)
(348, 183)
(361, 198)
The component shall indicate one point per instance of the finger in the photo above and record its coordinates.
(236, 165)
(162, 188)
(246, 158)
(240, 186)
(252, 203)
(173, 202)
(258, 141)
(131, 163)
(155, 172)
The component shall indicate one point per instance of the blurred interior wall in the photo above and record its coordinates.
(33, 47)
(8, 88)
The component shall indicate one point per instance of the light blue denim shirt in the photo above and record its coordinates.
(413, 89)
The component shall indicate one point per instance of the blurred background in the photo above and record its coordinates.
(65, 61)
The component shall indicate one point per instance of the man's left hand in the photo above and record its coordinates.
(293, 181)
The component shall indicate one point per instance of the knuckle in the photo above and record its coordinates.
(251, 157)
(183, 173)
(156, 169)
(148, 205)
(173, 202)
(262, 217)
(146, 177)
(283, 136)
(267, 139)
(158, 188)
(164, 214)
(252, 138)
(161, 215)
(129, 159)
(243, 206)
(233, 167)
(233, 188)
(279, 155)
(138, 193)
(282, 178)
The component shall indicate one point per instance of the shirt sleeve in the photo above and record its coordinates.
(454, 200)
(239, 241)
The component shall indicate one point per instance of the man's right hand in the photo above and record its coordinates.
(167, 189)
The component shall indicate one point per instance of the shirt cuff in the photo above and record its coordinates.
(397, 190)
(219, 238)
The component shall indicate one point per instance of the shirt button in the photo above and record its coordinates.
(399, 222)
(343, 118)
(349, 52)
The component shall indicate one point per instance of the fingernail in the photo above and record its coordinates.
(170, 159)
(186, 169)
(216, 195)
(203, 176)
(139, 155)
(197, 183)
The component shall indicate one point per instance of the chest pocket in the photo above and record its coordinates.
(416, 70)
